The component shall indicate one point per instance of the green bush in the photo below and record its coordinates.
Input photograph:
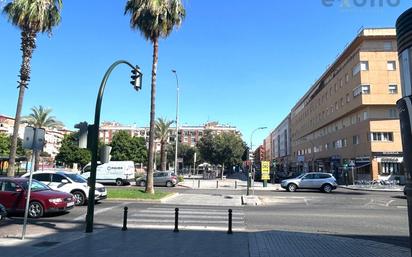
(180, 178)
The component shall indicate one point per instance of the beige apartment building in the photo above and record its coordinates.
(348, 118)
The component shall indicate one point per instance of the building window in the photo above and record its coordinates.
(336, 106)
(366, 90)
(365, 115)
(387, 46)
(347, 78)
(341, 101)
(356, 70)
(393, 113)
(382, 136)
(356, 140)
(391, 65)
(393, 89)
(364, 65)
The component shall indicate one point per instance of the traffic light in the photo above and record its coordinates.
(83, 132)
(136, 78)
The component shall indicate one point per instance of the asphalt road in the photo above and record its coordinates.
(378, 216)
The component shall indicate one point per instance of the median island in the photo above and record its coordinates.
(134, 194)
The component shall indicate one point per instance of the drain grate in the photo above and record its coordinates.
(46, 244)
(228, 197)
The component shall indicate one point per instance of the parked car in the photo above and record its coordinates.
(13, 193)
(160, 178)
(316, 180)
(121, 172)
(3, 213)
(70, 183)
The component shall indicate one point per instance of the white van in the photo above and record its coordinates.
(120, 172)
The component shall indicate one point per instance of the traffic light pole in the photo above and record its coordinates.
(95, 141)
(404, 42)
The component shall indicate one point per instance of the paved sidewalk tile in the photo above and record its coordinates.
(291, 244)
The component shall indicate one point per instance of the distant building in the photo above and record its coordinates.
(189, 135)
(53, 136)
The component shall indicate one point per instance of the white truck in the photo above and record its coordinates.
(119, 172)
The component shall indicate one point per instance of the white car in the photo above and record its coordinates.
(69, 182)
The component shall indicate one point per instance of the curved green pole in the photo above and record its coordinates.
(94, 144)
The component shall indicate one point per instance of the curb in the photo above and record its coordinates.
(142, 200)
(371, 189)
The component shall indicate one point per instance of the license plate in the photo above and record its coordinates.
(70, 204)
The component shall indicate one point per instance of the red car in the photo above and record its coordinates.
(43, 199)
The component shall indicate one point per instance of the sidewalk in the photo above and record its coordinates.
(165, 243)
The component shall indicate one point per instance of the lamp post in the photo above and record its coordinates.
(177, 119)
(251, 161)
(94, 135)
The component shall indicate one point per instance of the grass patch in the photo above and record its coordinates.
(134, 194)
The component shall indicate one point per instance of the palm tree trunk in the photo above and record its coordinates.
(163, 155)
(149, 184)
(28, 44)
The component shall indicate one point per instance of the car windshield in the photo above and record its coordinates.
(35, 186)
(76, 178)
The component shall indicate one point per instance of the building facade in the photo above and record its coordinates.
(348, 118)
(53, 136)
(189, 135)
(281, 145)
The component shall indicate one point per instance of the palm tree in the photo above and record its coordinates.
(162, 133)
(32, 17)
(154, 19)
(40, 118)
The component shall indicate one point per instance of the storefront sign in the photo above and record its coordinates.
(390, 159)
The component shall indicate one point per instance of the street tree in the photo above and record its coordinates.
(40, 118)
(162, 134)
(31, 17)
(5, 143)
(154, 19)
(128, 148)
(186, 152)
(70, 152)
(226, 149)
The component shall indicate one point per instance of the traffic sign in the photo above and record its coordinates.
(265, 168)
(351, 163)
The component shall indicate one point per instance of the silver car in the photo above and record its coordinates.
(160, 178)
(323, 181)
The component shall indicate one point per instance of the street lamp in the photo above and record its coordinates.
(177, 118)
(251, 161)
(94, 137)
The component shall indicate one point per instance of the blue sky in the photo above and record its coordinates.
(243, 63)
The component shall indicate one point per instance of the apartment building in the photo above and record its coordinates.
(349, 117)
(53, 136)
(281, 145)
(189, 135)
(267, 147)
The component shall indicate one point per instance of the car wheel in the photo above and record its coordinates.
(327, 188)
(36, 210)
(291, 187)
(169, 184)
(80, 198)
(142, 183)
(119, 182)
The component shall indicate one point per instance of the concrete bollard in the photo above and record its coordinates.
(217, 183)
(124, 228)
(198, 184)
(235, 184)
(176, 220)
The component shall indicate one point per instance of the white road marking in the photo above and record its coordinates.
(171, 221)
(83, 216)
(306, 201)
(389, 202)
(150, 215)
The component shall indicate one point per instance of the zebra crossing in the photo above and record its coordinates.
(190, 218)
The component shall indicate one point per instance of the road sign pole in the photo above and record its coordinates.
(26, 210)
